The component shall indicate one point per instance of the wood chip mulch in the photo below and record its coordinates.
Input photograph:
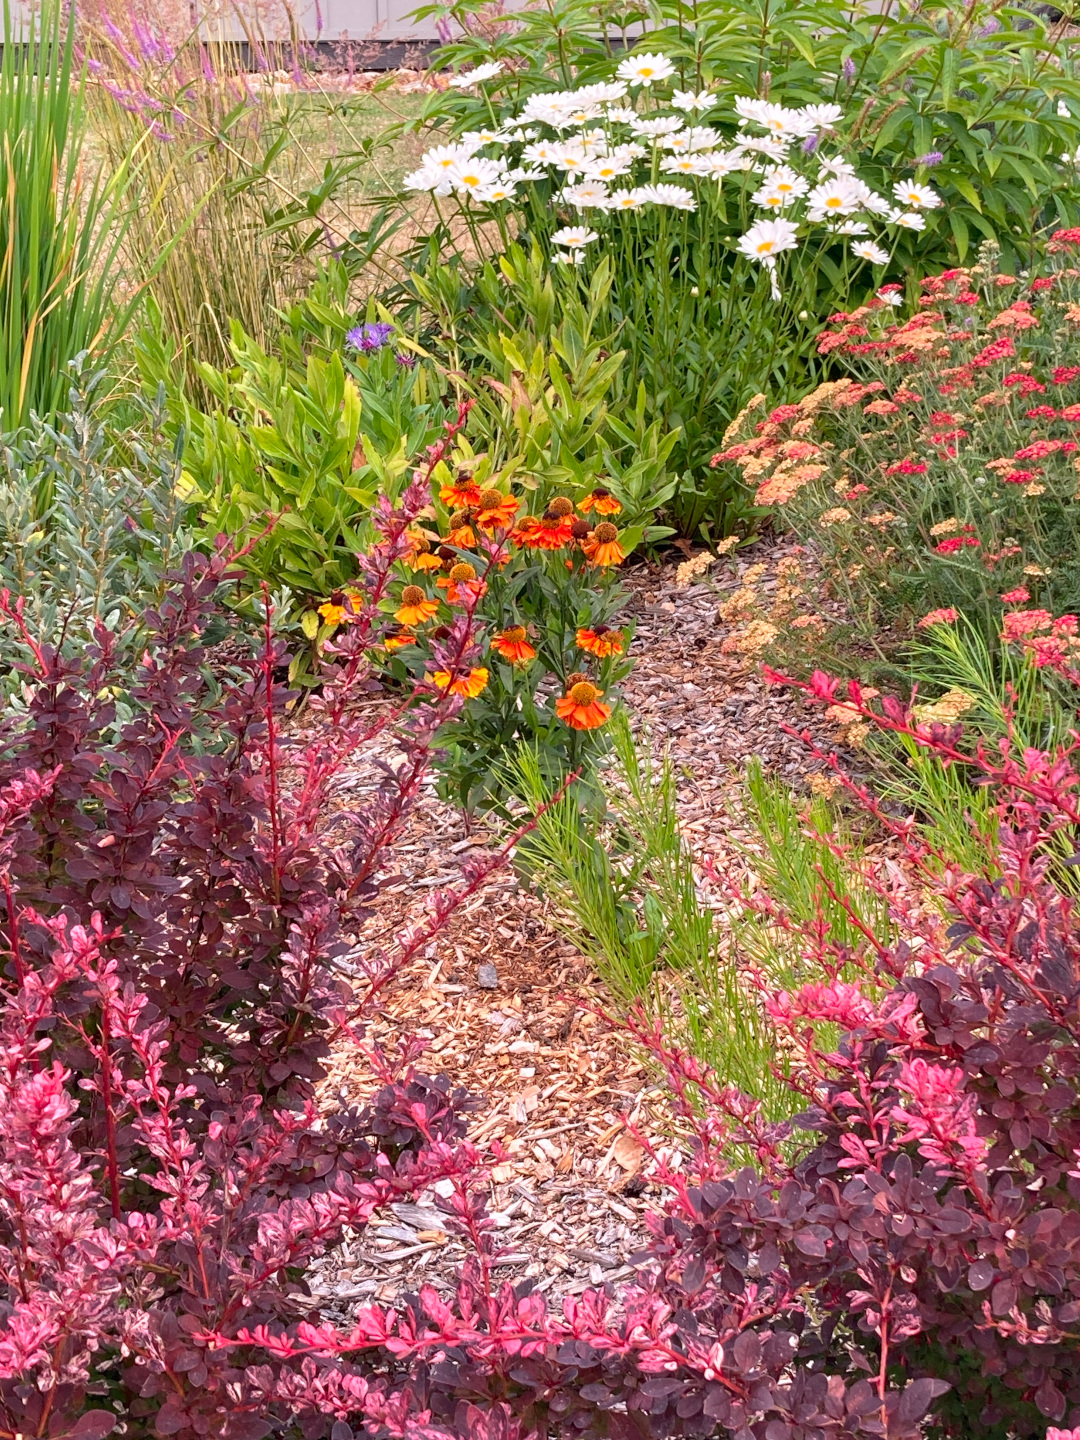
(507, 1006)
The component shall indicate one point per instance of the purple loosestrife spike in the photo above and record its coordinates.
(849, 70)
(810, 144)
(930, 159)
(443, 30)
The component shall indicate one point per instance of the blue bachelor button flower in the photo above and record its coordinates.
(370, 337)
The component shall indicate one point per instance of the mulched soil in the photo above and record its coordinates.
(508, 1007)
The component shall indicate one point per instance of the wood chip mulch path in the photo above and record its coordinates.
(507, 1005)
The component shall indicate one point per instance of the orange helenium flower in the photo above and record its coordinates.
(512, 645)
(462, 493)
(581, 707)
(399, 641)
(494, 510)
(600, 642)
(460, 574)
(333, 614)
(420, 556)
(415, 606)
(600, 500)
(603, 547)
(468, 685)
(546, 532)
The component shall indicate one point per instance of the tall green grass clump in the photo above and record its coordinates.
(60, 224)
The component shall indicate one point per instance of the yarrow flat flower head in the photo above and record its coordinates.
(645, 69)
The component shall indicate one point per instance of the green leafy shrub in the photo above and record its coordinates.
(299, 438)
(945, 475)
(902, 101)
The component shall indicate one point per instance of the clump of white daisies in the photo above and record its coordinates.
(599, 142)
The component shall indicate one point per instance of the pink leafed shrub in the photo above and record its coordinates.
(903, 1258)
(178, 957)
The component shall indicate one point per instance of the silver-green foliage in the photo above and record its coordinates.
(90, 522)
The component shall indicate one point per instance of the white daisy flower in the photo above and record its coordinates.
(699, 137)
(891, 297)
(569, 257)
(603, 92)
(785, 182)
(625, 200)
(526, 174)
(1073, 159)
(673, 196)
(444, 157)
(908, 219)
(916, 197)
(822, 117)
(468, 177)
(497, 192)
(583, 114)
(1064, 113)
(428, 178)
(765, 240)
(571, 158)
(607, 167)
(852, 227)
(662, 125)
(590, 195)
(872, 201)
(867, 250)
(542, 152)
(621, 114)
(834, 197)
(692, 102)
(546, 109)
(679, 165)
(778, 120)
(645, 69)
(835, 165)
(725, 162)
(487, 71)
(479, 138)
(770, 145)
(573, 237)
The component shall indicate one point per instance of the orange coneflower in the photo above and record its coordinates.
(603, 547)
(600, 500)
(461, 492)
(415, 608)
(581, 707)
(468, 685)
(600, 641)
(512, 645)
(547, 532)
(495, 511)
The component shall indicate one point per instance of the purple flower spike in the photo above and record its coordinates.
(849, 70)
(370, 337)
(809, 145)
(443, 30)
(930, 159)
(991, 27)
